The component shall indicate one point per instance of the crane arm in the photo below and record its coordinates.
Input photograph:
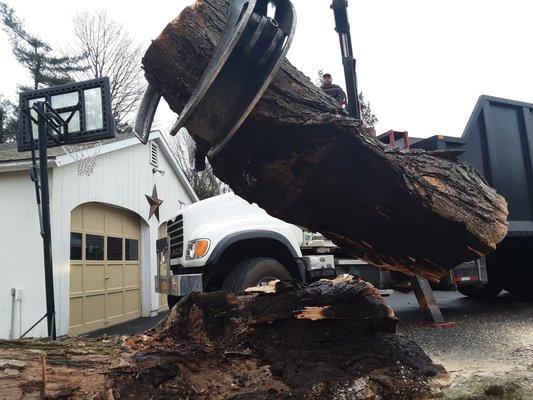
(342, 26)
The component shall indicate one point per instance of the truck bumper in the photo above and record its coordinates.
(473, 273)
(179, 285)
(168, 283)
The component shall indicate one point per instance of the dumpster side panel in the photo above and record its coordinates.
(499, 143)
(475, 148)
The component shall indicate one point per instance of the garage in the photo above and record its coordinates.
(105, 270)
(103, 236)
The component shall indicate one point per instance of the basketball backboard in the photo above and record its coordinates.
(84, 107)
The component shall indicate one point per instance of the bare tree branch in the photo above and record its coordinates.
(204, 183)
(110, 51)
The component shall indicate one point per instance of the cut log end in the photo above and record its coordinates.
(293, 341)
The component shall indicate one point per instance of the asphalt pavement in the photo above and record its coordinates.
(490, 334)
(490, 348)
(131, 327)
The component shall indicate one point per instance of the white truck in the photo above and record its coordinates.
(227, 243)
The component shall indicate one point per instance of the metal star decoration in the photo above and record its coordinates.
(155, 203)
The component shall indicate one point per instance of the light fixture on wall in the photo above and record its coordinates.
(156, 170)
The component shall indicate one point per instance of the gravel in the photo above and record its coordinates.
(492, 342)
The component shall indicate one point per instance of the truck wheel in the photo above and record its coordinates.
(172, 301)
(486, 292)
(523, 292)
(254, 272)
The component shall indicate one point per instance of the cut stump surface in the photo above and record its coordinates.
(329, 340)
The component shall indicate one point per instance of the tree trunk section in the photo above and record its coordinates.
(303, 160)
(329, 340)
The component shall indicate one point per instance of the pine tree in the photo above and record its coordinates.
(368, 117)
(8, 121)
(36, 55)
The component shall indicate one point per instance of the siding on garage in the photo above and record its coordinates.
(21, 255)
(122, 177)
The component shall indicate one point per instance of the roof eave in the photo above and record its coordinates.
(22, 165)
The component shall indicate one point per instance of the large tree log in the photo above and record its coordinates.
(330, 340)
(302, 159)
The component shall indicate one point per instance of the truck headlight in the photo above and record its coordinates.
(197, 249)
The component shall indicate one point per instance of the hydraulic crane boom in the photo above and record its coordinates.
(342, 26)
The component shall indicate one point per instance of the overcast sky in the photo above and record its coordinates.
(422, 64)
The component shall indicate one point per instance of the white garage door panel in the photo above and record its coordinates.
(105, 282)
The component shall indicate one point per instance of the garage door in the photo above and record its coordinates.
(105, 271)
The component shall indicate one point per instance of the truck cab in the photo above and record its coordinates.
(226, 243)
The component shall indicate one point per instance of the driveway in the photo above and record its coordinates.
(131, 327)
(490, 350)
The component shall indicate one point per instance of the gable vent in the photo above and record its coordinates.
(154, 155)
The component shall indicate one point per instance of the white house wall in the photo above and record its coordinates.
(121, 178)
(21, 255)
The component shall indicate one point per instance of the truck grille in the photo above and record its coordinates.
(175, 232)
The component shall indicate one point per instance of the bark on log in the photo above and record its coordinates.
(303, 160)
(330, 340)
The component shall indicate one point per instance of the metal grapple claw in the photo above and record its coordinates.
(146, 114)
(255, 42)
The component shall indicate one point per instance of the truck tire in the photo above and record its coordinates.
(172, 301)
(254, 272)
(521, 284)
(522, 292)
(486, 292)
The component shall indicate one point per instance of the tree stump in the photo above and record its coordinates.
(330, 340)
(301, 158)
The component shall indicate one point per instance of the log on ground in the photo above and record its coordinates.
(303, 160)
(329, 340)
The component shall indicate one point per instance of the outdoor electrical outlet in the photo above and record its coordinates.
(16, 293)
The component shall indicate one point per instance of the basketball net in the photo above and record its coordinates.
(84, 155)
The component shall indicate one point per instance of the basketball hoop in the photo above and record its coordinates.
(84, 155)
(78, 112)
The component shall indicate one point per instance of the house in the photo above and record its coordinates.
(103, 238)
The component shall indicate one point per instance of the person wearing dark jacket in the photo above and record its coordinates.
(333, 90)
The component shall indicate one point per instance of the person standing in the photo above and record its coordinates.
(333, 90)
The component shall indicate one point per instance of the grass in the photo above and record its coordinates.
(485, 388)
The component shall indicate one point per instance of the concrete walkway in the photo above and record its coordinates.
(131, 327)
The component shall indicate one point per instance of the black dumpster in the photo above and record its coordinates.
(498, 142)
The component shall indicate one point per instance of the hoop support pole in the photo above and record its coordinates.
(46, 232)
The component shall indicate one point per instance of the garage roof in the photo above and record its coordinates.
(11, 159)
(8, 151)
